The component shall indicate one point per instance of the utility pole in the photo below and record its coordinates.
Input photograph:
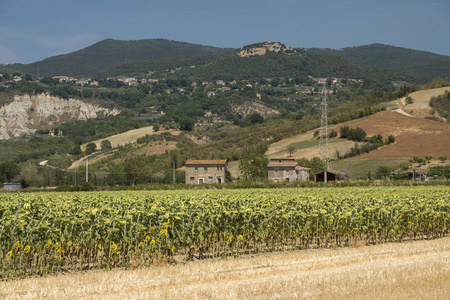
(87, 169)
(174, 172)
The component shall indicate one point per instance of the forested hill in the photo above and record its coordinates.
(110, 53)
(230, 66)
(394, 58)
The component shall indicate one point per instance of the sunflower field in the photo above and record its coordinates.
(42, 233)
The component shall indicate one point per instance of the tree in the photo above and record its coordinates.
(316, 133)
(91, 148)
(187, 123)
(76, 150)
(345, 132)
(228, 177)
(291, 149)
(61, 161)
(8, 170)
(332, 134)
(135, 169)
(390, 140)
(29, 176)
(105, 145)
(256, 118)
(428, 158)
(442, 158)
(383, 171)
(253, 166)
(315, 164)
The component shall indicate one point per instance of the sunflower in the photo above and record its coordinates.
(17, 245)
(9, 253)
(153, 242)
(113, 247)
(240, 237)
(27, 249)
(147, 238)
(230, 239)
(163, 232)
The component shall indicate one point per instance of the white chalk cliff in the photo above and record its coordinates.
(26, 113)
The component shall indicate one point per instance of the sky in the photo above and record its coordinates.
(32, 30)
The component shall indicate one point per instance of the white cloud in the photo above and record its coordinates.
(7, 56)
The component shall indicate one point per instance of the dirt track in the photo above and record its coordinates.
(413, 270)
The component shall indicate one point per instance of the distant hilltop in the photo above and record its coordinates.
(264, 48)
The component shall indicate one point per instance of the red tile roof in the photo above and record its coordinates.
(206, 162)
(283, 164)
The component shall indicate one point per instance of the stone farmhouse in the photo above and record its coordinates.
(206, 171)
(286, 169)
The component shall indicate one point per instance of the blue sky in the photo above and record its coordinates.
(32, 30)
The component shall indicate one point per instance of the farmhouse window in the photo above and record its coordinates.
(192, 178)
(195, 169)
(206, 168)
(210, 179)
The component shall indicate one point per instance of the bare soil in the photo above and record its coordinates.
(413, 136)
(410, 270)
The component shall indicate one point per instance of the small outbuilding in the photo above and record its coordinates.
(328, 176)
(12, 186)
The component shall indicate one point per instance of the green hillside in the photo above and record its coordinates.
(394, 58)
(110, 53)
(230, 66)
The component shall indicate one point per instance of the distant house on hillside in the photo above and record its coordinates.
(286, 169)
(206, 171)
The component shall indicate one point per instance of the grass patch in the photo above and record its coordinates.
(358, 169)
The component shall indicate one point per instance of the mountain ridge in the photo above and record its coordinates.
(109, 53)
(394, 58)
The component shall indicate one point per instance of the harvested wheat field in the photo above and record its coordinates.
(421, 102)
(418, 270)
(130, 136)
(413, 136)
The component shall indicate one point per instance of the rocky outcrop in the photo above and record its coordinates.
(26, 113)
(267, 47)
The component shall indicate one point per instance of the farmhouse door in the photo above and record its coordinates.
(200, 180)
